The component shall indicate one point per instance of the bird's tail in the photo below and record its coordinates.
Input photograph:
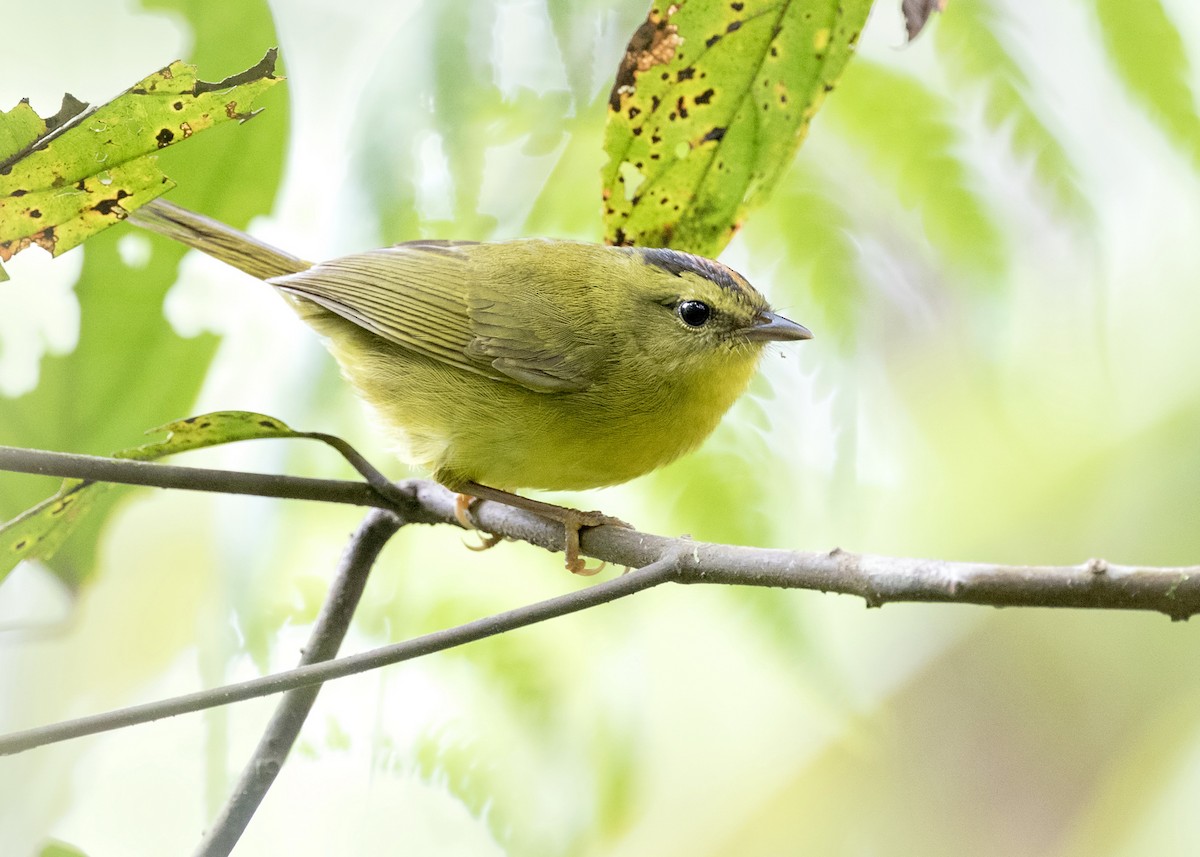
(213, 237)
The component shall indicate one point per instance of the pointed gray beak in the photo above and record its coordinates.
(769, 327)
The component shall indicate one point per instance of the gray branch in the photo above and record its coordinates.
(878, 580)
(326, 637)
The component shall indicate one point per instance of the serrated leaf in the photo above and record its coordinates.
(709, 106)
(1151, 58)
(969, 40)
(908, 135)
(39, 532)
(82, 175)
(19, 128)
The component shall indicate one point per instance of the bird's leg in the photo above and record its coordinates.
(572, 520)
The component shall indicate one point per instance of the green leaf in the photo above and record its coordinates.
(969, 39)
(1150, 56)
(908, 135)
(129, 368)
(710, 104)
(19, 128)
(70, 182)
(39, 532)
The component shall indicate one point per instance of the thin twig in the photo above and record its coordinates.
(314, 674)
(128, 472)
(324, 640)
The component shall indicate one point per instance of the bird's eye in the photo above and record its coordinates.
(694, 313)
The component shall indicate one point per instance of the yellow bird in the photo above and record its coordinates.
(533, 363)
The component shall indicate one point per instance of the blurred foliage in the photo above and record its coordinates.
(1150, 57)
(60, 849)
(971, 42)
(906, 131)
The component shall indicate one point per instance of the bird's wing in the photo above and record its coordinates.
(424, 296)
(533, 338)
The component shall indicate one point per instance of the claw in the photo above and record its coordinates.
(462, 512)
(486, 542)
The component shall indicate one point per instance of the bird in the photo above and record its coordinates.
(532, 363)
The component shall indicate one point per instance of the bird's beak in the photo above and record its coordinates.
(769, 327)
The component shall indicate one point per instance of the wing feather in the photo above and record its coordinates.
(433, 298)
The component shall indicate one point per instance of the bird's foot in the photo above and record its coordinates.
(573, 521)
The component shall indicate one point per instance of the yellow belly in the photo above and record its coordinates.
(466, 427)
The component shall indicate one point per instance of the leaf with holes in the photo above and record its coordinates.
(40, 531)
(710, 103)
(65, 178)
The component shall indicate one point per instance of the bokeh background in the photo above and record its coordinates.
(993, 233)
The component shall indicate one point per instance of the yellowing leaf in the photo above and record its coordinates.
(68, 177)
(710, 103)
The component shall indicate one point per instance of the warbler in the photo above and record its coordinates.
(533, 363)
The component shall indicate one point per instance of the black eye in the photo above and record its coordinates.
(694, 313)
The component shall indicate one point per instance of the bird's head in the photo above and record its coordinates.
(698, 312)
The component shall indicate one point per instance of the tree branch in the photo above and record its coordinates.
(878, 580)
(128, 472)
(324, 640)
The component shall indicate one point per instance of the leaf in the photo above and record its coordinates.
(908, 135)
(130, 369)
(1150, 56)
(970, 41)
(62, 183)
(709, 106)
(39, 532)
